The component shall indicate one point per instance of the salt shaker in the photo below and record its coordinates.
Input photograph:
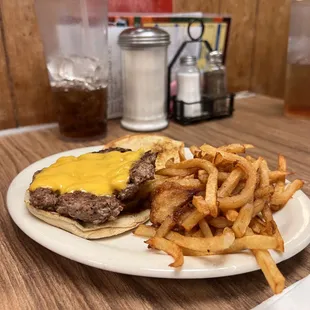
(188, 81)
(214, 82)
(144, 78)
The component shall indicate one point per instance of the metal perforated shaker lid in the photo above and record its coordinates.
(188, 60)
(215, 57)
(143, 37)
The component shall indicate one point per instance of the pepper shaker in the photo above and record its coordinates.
(144, 78)
(214, 82)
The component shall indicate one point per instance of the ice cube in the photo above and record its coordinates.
(75, 68)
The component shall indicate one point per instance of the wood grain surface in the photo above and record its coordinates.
(26, 63)
(241, 41)
(205, 6)
(7, 118)
(33, 277)
(269, 60)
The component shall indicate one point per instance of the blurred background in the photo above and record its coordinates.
(255, 60)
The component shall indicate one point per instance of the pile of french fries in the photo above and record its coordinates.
(232, 210)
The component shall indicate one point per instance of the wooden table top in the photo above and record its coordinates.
(33, 277)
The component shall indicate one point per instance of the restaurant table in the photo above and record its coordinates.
(32, 277)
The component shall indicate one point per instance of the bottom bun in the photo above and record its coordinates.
(122, 224)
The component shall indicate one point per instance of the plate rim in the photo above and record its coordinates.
(118, 268)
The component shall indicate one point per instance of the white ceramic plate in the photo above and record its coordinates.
(128, 254)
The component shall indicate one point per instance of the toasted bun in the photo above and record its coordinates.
(90, 231)
(165, 147)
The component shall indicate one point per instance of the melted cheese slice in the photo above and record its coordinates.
(99, 174)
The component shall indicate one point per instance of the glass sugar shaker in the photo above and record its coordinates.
(144, 78)
(214, 82)
(188, 83)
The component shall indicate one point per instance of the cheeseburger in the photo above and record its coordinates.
(95, 195)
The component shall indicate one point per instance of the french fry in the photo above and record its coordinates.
(258, 206)
(176, 172)
(243, 220)
(189, 183)
(282, 164)
(269, 229)
(165, 227)
(208, 150)
(212, 245)
(267, 214)
(198, 234)
(280, 241)
(195, 151)
(184, 216)
(182, 156)
(245, 195)
(227, 207)
(205, 228)
(191, 176)
(236, 148)
(219, 160)
(211, 185)
(220, 222)
(256, 164)
(203, 176)
(222, 164)
(276, 175)
(231, 215)
(250, 159)
(286, 195)
(169, 162)
(264, 174)
(238, 188)
(275, 208)
(257, 226)
(222, 176)
(145, 231)
(269, 268)
(230, 183)
(253, 242)
(168, 247)
(192, 220)
(189, 252)
(264, 191)
(182, 213)
(271, 272)
(280, 185)
(266, 224)
(201, 205)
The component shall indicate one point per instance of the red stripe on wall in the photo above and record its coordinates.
(140, 6)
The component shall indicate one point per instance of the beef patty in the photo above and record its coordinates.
(94, 209)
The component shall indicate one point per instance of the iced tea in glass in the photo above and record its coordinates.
(297, 89)
(74, 35)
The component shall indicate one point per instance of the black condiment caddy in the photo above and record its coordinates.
(209, 109)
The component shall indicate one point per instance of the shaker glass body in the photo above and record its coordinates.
(297, 90)
(188, 82)
(74, 35)
(214, 83)
(144, 78)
